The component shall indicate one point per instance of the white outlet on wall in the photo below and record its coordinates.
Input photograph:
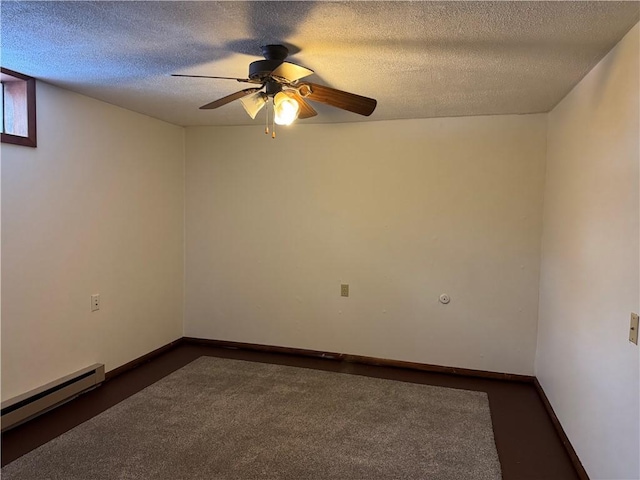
(95, 302)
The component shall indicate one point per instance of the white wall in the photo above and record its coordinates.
(96, 208)
(402, 211)
(589, 274)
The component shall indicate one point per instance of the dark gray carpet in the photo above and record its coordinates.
(231, 419)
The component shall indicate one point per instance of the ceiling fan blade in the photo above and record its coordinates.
(207, 76)
(337, 98)
(291, 71)
(306, 110)
(229, 98)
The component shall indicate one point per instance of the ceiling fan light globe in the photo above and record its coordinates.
(253, 103)
(286, 109)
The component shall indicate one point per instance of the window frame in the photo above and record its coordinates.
(30, 139)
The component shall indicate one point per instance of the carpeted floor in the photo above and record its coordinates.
(230, 419)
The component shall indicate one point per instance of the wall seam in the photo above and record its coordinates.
(542, 230)
(184, 228)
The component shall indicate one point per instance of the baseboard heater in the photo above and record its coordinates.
(24, 407)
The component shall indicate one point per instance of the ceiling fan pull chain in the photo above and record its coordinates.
(266, 125)
(273, 124)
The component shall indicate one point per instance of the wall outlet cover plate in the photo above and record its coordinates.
(633, 328)
(95, 302)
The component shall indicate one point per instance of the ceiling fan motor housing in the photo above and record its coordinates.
(274, 55)
(261, 69)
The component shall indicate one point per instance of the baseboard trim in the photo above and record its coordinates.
(143, 359)
(382, 362)
(577, 464)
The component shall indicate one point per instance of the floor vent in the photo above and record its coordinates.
(24, 407)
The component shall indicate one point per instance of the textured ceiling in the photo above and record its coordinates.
(418, 59)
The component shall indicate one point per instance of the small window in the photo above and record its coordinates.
(18, 108)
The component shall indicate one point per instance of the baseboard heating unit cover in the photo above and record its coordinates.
(19, 409)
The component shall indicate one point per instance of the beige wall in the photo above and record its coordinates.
(590, 257)
(402, 211)
(96, 208)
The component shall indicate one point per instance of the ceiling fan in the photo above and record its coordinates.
(279, 81)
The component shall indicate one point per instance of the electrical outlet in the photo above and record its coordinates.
(633, 328)
(95, 302)
(344, 290)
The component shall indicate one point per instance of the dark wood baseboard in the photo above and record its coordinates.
(577, 464)
(382, 362)
(143, 359)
